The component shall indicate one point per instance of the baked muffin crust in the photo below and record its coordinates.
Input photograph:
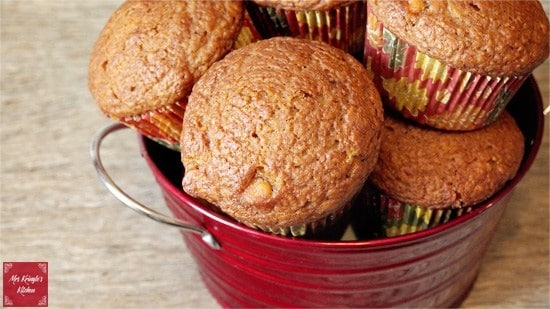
(281, 132)
(150, 53)
(496, 38)
(438, 169)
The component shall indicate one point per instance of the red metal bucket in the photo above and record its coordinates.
(243, 267)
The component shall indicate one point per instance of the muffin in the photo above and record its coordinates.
(453, 65)
(340, 23)
(149, 55)
(277, 137)
(425, 176)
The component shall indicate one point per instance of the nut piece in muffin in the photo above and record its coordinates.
(453, 64)
(281, 134)
(424, 176)
(149, 55)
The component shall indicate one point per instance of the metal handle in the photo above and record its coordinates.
(129, 201)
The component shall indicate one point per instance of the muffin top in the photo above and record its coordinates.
(433, 168)
(281, 132)
(496, 38)
(304, 5)
(150, 53)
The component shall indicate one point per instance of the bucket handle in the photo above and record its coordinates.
(132, 203)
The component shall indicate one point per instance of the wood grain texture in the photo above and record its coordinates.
(102, 255)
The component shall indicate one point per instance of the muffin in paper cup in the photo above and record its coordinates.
(425, 177)
(432, 90)
(143, 65)
(283, 142)
(338, 23)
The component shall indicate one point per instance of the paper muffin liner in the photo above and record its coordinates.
(162, 125)
(428, 91)
(378, 215)
(342, 27)
(402, 218)
(331, 227)
(248, 34)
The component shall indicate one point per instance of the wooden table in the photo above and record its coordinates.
(101, 254)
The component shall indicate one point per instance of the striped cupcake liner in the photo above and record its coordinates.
(248, 33)
(162, 125)
(331, 227)
(402, 218)
(342, 27)
(376, 215)
(428, 91)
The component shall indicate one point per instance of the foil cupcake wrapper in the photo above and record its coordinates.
(428, 91)
(342, 27)
(162, 125)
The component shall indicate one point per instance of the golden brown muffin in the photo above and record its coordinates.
(150, 53)
(281, 133)
(438, 169)
(304, 5)
(453, 65)
(497, 38)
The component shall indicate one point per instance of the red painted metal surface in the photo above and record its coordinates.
(431, 268)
